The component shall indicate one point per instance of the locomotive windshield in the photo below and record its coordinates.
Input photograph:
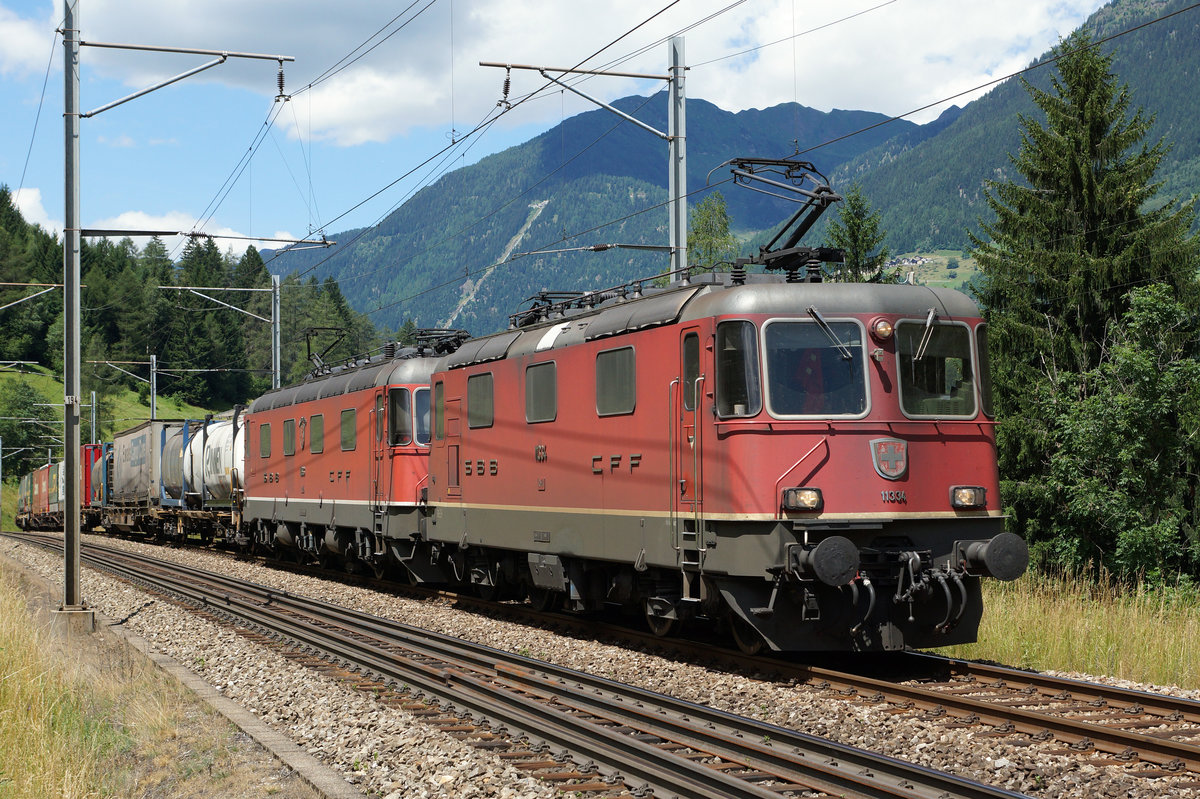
(936, 376)
(808, 373)
(408, 417)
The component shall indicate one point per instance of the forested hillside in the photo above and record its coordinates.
(207, 355)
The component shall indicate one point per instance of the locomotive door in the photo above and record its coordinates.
(688, 447)
(381, 465)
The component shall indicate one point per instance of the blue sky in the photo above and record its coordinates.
(169, 161)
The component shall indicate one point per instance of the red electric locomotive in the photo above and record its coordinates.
(811, 464)
(335, 466)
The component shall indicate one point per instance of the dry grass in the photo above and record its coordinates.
(104, 722)
(51, 741)
(1055, 622)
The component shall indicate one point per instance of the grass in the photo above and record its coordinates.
(98, 720)
(53, 740)
(1056, 622)
(125, 409)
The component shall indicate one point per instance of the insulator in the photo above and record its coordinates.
(281, 78)
(503, 102)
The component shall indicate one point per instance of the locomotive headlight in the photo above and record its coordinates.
(882, 329)
(968, 497)
(803, 499)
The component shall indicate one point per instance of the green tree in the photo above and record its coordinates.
(710, 244)
(24, 421)
(1123, 468)
(407, 332)
(856, 232)
(1058, 261)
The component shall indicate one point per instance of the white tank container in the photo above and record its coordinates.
(219, 459)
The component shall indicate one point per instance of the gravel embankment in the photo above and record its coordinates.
(386, 753)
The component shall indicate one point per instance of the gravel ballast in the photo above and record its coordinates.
(386, 752)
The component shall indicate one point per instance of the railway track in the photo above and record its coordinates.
(587, 733)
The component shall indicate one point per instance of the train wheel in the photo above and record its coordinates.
(746, 637)
(660, 625)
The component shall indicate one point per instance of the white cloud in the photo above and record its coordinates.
(29, 203)
(892, 59)
(174, 221)
(24, 44)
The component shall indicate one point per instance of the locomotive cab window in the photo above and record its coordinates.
(316, 433)
(421, 415)
(616, 385)
(934, 364)
(541, 392)
(985, 372)
(264, 440)
(812, 371)
(480, 400)
(380, 404)
(399, 417)
(738, 390)
(349, 433)
(289, 436)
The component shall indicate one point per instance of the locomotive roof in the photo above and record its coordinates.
(711, 295)
(340, 381)
(831, 299)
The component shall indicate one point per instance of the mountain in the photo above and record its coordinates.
(451, 255)
(556, 192)
(929, 193)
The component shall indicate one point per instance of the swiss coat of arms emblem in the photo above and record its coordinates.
(890, 456)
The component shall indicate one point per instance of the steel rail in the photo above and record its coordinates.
(1052, 687)
(622, 753)
(1078, 733)
(485, 681)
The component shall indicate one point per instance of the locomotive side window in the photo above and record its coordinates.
(264, 440)
(316, 433)
(421, 412)
(289, 436)
(985, 371)
(379, 426)
(541, 392)
(934, 362)
(808, 373)
(616, 382)
(691, 369)
(738, 391)
(349, 420)
(439, 410)
(480, 400)
(399, 417)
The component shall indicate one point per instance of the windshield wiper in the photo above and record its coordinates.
(828, 331)
(927, 335)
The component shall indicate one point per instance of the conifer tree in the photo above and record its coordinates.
(1068, 243)
(856, 232)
